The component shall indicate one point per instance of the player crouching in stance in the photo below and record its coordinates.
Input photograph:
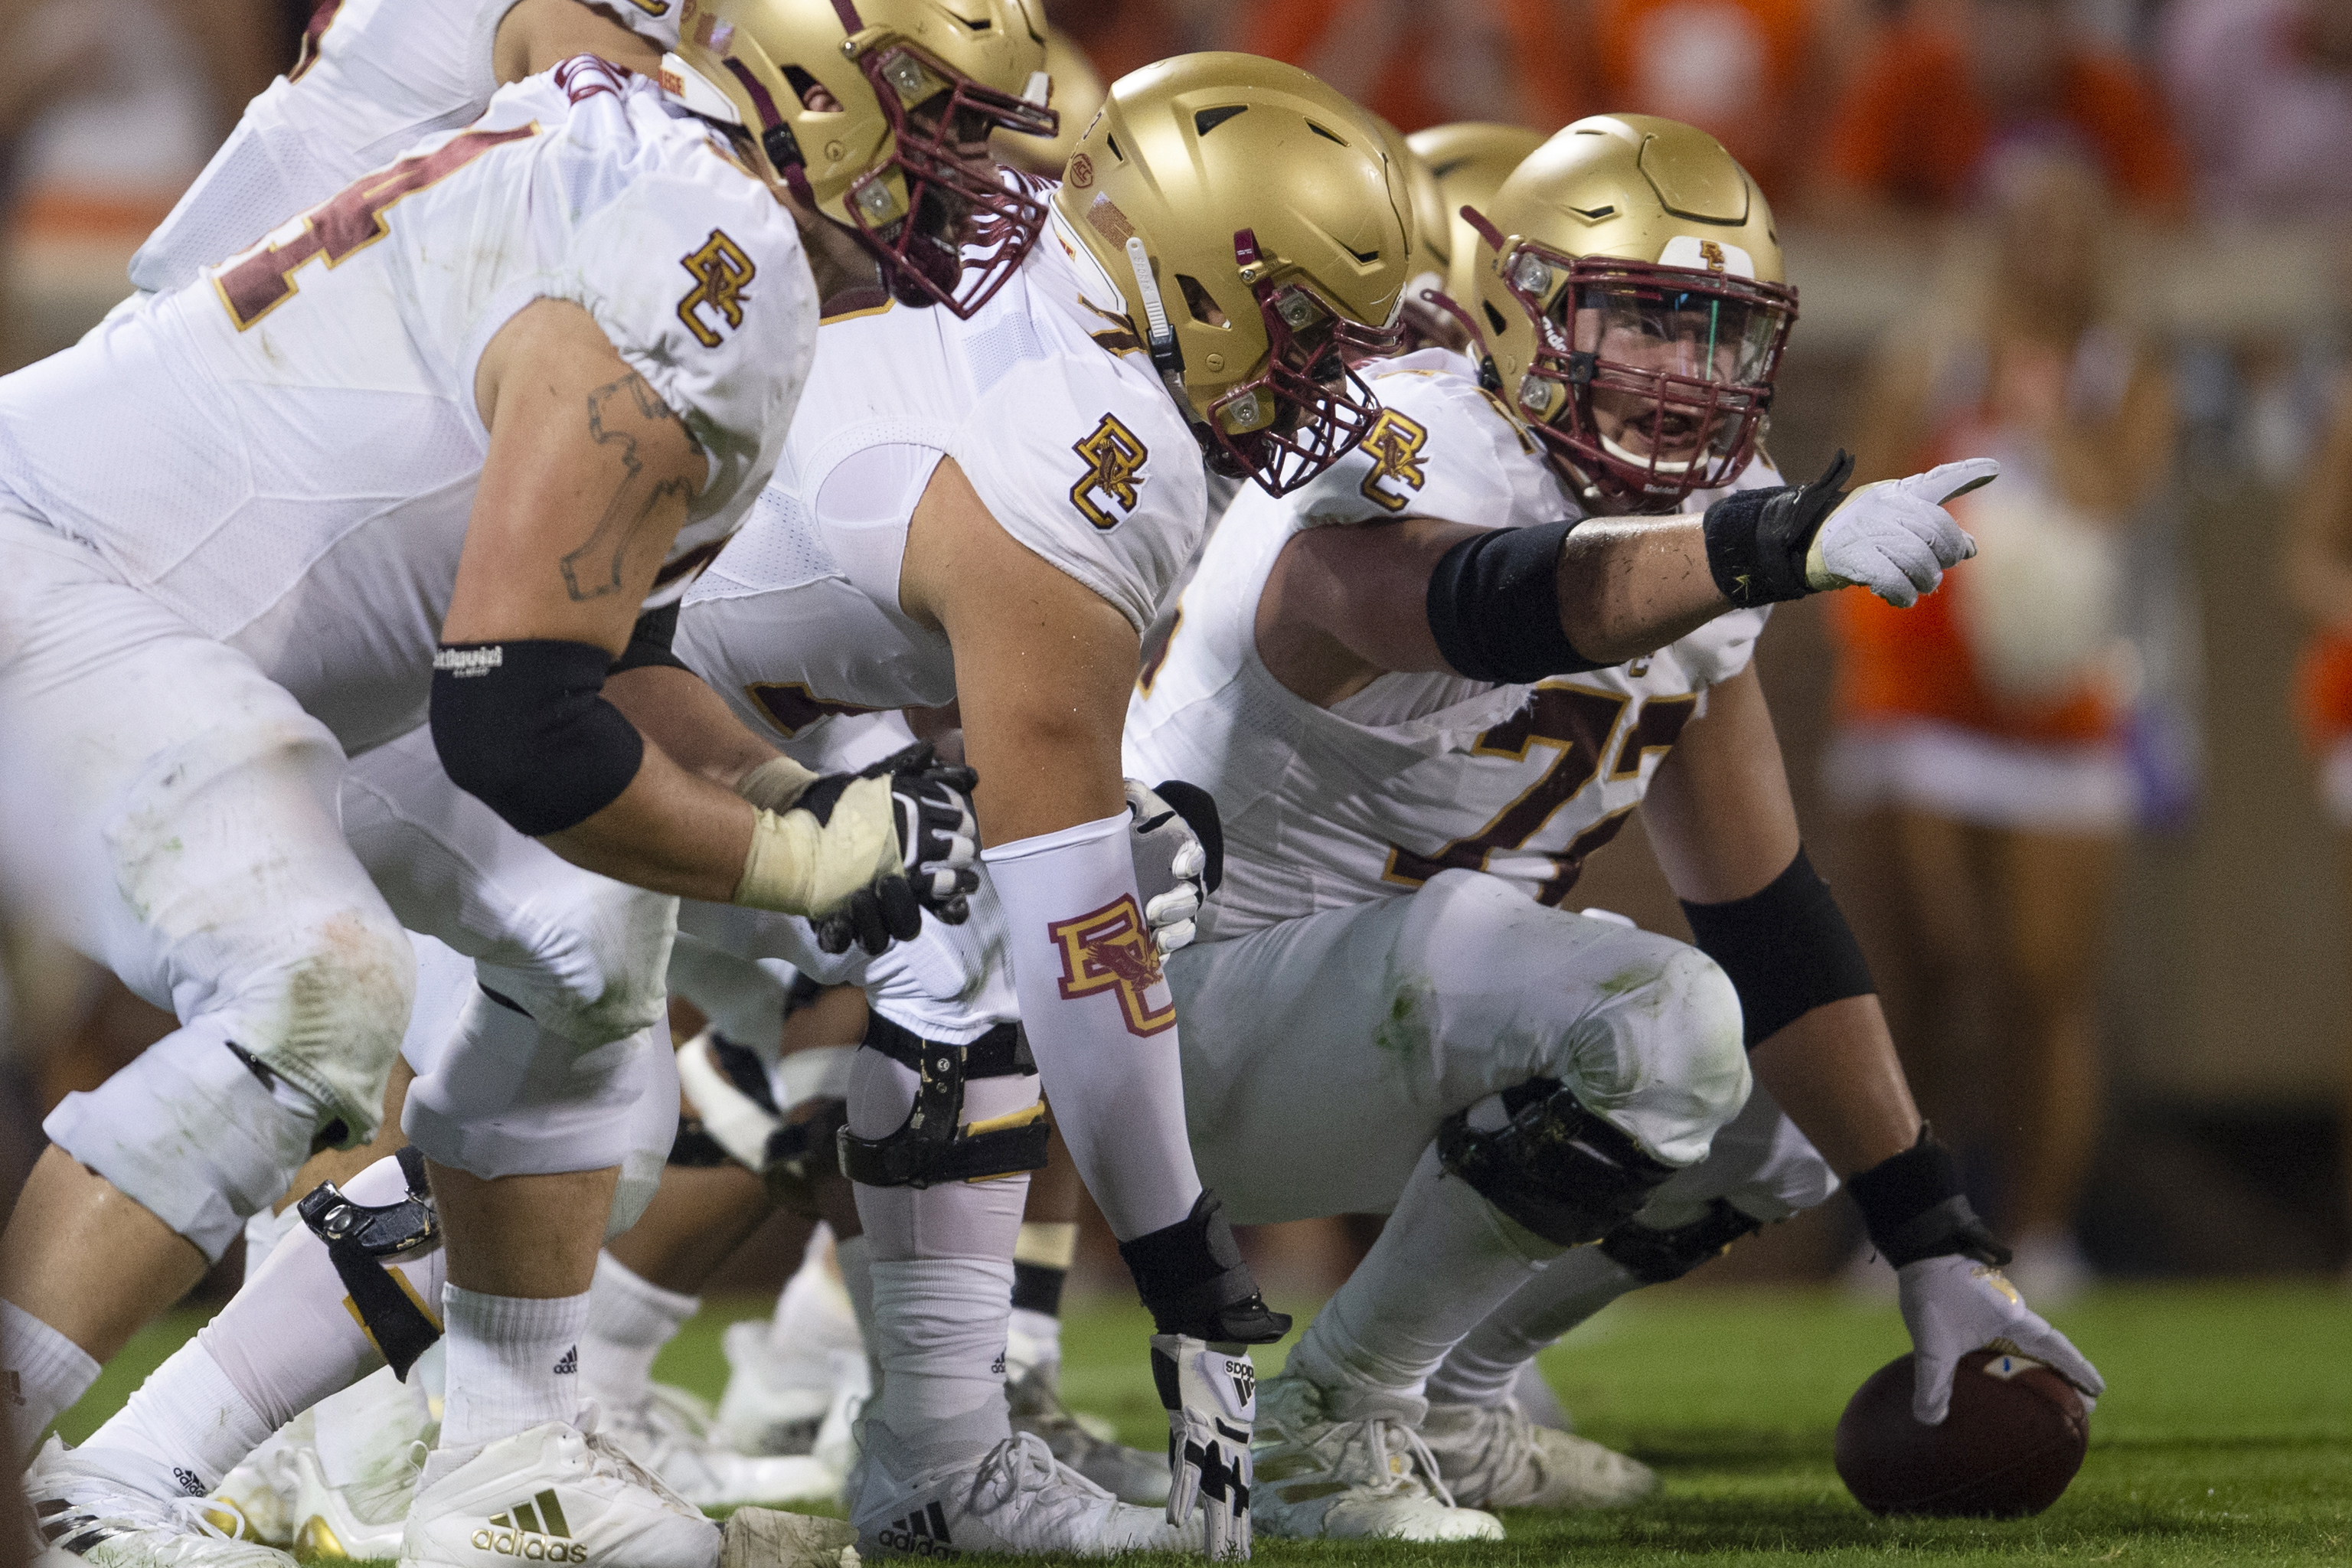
(991, 511)
(520, 446)
(1417, 729)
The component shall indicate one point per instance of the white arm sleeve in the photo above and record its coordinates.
(1100, 1018)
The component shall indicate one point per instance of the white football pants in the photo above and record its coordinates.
(1321, 1054)
(176, 813)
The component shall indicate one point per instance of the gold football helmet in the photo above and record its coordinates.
(1469, 160)
(1078, 93)
(877, 113)
(1632, 283)
(1258, 228)
(1425, 321)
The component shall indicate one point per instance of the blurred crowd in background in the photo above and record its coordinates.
(2090, 806)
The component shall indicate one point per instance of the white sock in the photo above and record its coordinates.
(814, 1311)
(1042, 1332)
(45, 1373)
(941, 1343)
(855, 1260)
(1483, 1367)
(1446, 1259)
(630, 1318)
(189, 1418)
(514, 1362)
(287, 1338)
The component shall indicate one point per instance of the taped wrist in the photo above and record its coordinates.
(1788, 949)
(775, 785)
(810, 860)
(1494, 605)
(649, 642)
(1757, 540)
(1192, 1277)
(524, 728)
(1912, 1207)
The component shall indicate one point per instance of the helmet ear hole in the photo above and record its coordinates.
(812, 92)
(1200, 302)
(1494, 318)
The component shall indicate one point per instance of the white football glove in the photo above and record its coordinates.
(1953, 1305)
(1175, 870)
(1211, 1396)
(1895, 538)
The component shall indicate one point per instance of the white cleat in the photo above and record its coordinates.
(103, 1508)
(554, 1494)
(669, 1434)
(1128, 1473)
(1014, 1498)
(1496, 1457)
(261, 1487)
(775, 1401)
(357, 1522)
(1358, 1472)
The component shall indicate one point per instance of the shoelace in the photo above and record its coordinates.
(199, 1511)
(1026, 1464)
(1376, 1434)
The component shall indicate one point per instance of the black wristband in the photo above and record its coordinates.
(1788, 949)
(1494, 605)
(1912, 1207)
(1757, 540)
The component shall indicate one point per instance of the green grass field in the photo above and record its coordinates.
(2226, 1436)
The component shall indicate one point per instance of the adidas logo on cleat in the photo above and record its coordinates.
(189, 1481)
(922, 1533)
(534, 1532)
(568, 1363)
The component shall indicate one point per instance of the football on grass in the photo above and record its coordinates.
(2015, 1436)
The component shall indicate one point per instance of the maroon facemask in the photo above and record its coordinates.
(1321, 407)
(968, 223)
(1667, 370)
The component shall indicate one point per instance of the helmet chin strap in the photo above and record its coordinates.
(1159, 338)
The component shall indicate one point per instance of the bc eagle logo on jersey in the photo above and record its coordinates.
(721, 269)
(1111, 948)
(1114, 457)
(1394, 444)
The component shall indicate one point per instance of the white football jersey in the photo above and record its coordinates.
(1417, 773)
(286, 451)
(1045, 402)
(374, 78)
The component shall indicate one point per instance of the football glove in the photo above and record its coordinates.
(1893, 538)
(1179, 856)
(1211, 1396)
(1955, 1304)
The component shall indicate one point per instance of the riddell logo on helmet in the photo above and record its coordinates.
(534, 1532)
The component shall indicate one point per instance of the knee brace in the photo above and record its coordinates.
(933, 1146)
(359, 1237)
(1654, 1257)
(1552, 1165)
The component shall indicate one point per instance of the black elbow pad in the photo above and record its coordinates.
(524, 727)
(1494, 605)
(1787, 949)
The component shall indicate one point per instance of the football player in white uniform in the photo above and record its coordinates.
(990, 511)
(1393, 682)
(344, 653)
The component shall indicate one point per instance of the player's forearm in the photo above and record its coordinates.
(1629, 586)
(670, 831)
(676, 711)
(1834, 1071)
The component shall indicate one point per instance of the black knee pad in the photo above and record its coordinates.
(933, 1146)
(1654, 1257)
(1555, 1167)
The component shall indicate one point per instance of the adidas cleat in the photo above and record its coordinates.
(669, 1434)
(104, 1508)
(1496, 1457)
(1014, 1498)
(775, 1403)
(261, 1487)
(1128, 1473)
(358, 1522)
(554, 1494)
(1349, 1465)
